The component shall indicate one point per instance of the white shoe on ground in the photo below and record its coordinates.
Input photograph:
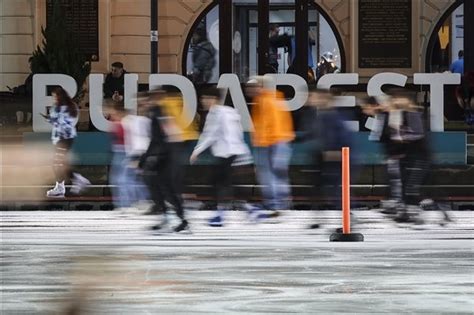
(57, 192)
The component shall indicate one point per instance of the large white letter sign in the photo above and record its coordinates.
(130, 93)
(374, 86)
(436, 81)
(296, 82)
(96, 99)
(41, 100)
(230, 82)
(187, 90)
(330, 79)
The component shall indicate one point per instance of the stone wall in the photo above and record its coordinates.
(17, 40)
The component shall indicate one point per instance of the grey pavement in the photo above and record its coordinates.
(102, 263)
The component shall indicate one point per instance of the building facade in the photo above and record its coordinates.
(124, 33)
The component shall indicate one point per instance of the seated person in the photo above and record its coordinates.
(114, 82)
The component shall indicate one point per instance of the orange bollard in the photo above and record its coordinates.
(346, 235)
(346, 192)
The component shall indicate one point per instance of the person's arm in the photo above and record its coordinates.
(208, 136)
(53, 115)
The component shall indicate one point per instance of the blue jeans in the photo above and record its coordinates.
(117, 178)
(272, 173)
(136, 190)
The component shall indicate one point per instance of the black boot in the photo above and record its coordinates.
(182, 227)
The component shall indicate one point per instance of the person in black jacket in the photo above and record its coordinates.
(203, 57)
(276, 41)
(325, 133)
(114, 82)
(157, 163)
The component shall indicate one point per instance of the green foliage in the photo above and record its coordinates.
(60, 52)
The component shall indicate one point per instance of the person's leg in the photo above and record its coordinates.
(61, 167)
(331, 181)
(395, 178)
(315, 160)
(264, 175)
(280, 160)
(138, 191)
(394, 203)
(129, 183)
(117, 177)
(142, 191)
(178, 164)
(222, 180)
(414, 167)
(151, 179)
(416, 174)
(165, 182)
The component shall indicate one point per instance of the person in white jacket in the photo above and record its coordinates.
(223, 134)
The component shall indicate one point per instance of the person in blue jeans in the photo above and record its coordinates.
(271, 137)
(118, 166)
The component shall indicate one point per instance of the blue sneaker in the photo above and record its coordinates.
(215, 221)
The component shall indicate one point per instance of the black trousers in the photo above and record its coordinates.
(222, 179)
(414, 167)
(61, 166)
(160, 178)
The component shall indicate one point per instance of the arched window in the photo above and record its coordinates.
(444, 53)
(447, 40)
(201, 53)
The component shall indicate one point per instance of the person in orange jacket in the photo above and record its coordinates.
(271, 137)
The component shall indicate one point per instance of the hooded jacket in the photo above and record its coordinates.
(222, 133)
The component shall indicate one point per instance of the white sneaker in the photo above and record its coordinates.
(79, 182)
(57, 192)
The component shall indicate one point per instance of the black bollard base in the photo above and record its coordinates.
(352, 237)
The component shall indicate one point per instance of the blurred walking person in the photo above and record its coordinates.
(159, 164)
(222, 133)
(136, 141)
(379, 108)
(63, 115)
(271, 137)
(171, 105)
(408, 131)
(332, 135)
